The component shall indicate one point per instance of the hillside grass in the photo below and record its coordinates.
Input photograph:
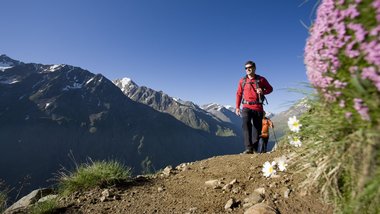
(48, 206)
(92, 174)
(341, 158)
(3, 201)
(3, 196)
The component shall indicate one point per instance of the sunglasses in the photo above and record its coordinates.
(249, 67)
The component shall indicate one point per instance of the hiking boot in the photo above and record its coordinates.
(247, 152)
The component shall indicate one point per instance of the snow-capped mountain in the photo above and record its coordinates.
(50, 111)
(226, 114)
(6, 62)
(185, 111)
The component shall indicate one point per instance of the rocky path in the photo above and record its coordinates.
(223, 184)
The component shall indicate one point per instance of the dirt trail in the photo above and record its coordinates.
(183, 190)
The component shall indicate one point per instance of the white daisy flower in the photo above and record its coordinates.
(294, 124)
(281, 163)
(268, 169)
(295, 141)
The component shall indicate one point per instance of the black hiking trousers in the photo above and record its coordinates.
(264, 147)
(252, 124)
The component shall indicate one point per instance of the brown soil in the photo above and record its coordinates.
(185, 191)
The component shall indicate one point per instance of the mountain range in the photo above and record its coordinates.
(220, 121)
(58, 116)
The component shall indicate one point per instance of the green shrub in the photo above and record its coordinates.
(46, 207)
(90, 175)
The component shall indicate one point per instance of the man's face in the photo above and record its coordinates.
(249, 69)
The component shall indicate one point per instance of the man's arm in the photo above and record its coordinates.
(267, 88)
(239, 94)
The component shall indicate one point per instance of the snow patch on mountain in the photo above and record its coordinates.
(9, 80)
(53, 68)
(74, 86)
(5, 65)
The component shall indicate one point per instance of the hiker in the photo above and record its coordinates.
(266, 124)
(250, 93)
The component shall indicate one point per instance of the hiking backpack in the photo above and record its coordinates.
(261, 98)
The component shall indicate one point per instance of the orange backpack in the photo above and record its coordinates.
(265, 128)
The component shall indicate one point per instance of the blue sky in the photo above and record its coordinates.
(190, 49)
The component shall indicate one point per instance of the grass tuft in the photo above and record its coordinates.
(92, 174)
(46, 207)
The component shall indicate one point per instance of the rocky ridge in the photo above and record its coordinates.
(187, 112)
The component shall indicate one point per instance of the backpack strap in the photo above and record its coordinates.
(261, 98)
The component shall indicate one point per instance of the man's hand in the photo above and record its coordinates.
(259, 91)
(237, 111)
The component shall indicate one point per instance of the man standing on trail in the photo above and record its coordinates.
(250, 93)
(267, 123)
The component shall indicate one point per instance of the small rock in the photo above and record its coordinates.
(168, 170)
(216, 184)
(286, 192)
(254, 198)
(227, 187)
(102, 199)
(232, 203)
(160, 189)
(260, 208)
(303, 192)
(275, 196)
(106, 193)
(47, 198)
(236, 190)
(260, 190)
(234, 181)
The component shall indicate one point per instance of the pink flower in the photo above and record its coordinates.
(339, 84)
(348, 115)
(351, 12)
(359, 31)
(342, 104)
(371, 74)
(338, 44)
(361, 108)
(353, 69)
(372, 51)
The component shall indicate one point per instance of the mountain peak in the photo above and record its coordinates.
(125, 84)
(7, 62)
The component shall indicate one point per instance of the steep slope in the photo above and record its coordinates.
(187, 112)
(50, 111)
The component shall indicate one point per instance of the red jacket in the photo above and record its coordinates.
(250, 94)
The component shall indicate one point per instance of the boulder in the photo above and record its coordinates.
(28, 200)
